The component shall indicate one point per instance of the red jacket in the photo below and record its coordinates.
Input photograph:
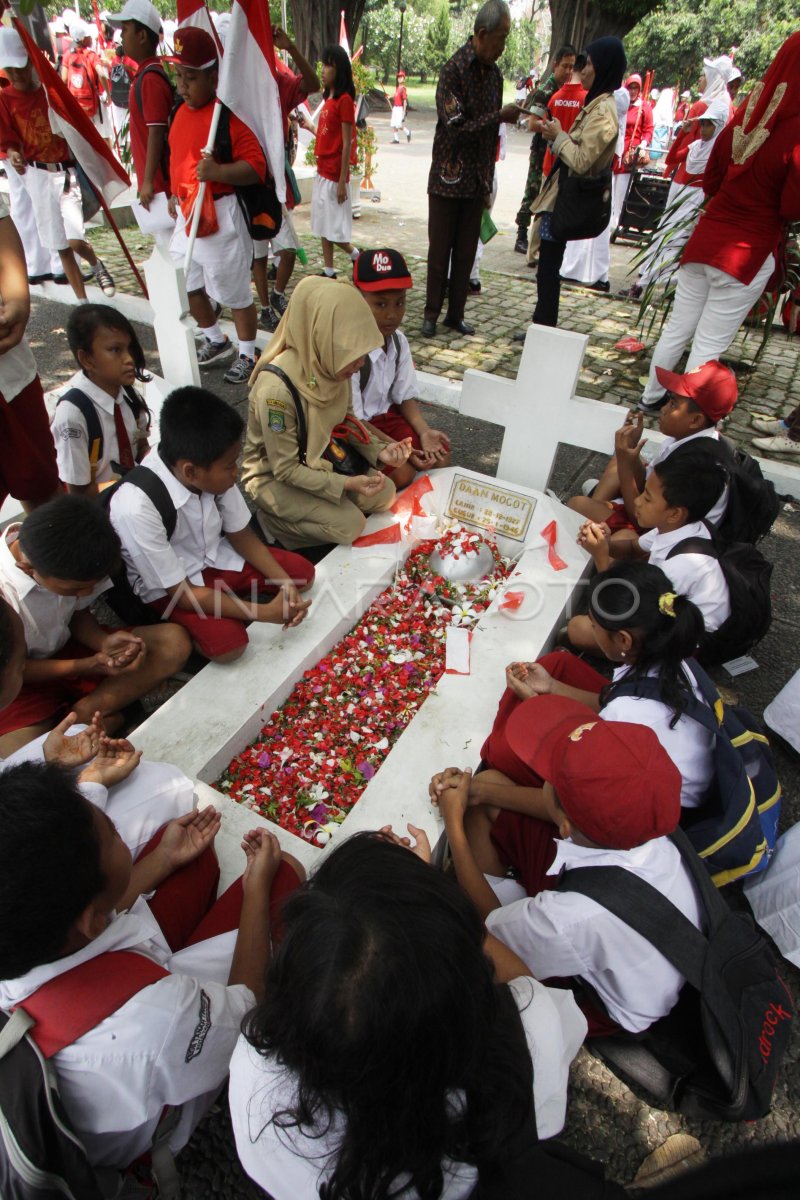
(744, 220)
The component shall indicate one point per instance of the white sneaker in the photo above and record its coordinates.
(781, 443)
(766, 424)
(588, 486)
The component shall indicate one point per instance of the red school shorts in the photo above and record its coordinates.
(28, 467)
(393, 424)
(38, 702)
(215, 636)
(618, 519)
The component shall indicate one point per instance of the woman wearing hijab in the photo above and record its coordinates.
(289, 472)
(712, 86)
(638, 136)
(588, 149)
(683, 201)
(752, 182)
(588, 261)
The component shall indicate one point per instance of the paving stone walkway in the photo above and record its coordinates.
(505, 304)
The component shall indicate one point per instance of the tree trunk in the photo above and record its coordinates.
(568, 25)
(316, 24)
(609, 22)
(578, 22)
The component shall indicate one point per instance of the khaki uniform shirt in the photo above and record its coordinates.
(588, 148)
(271, 450)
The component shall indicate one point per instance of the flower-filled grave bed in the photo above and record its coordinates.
(319, 750)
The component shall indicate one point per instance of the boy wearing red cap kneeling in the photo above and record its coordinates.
(614, 796)
(694, 404)
(385, 388)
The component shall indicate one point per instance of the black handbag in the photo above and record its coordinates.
(343, 457)
(583, 206)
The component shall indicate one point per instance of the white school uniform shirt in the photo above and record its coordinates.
(17, 366)
(717, 511)
(170, 1044)
(154, 563)
(45, 616)
(561, 934)
(71, 436)
(392, 380)
(689, 745)
(153, 794)
(694, 575)
(291, 1166)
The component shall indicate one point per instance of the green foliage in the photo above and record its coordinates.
(437, 40)
(380, 33)
(674, 39)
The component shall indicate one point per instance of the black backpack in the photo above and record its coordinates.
(258, 201)
(94, 429)
(120, 84)
(735, 829)
(718, 1052)
(747, 573)
(121, 596)
(753, 503)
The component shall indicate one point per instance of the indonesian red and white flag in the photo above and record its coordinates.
(344, 41)
(68, 119)
(247, 82)
(195, 12)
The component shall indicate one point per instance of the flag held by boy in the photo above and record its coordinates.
(247, 83)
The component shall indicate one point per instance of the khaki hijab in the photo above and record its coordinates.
(327, 326)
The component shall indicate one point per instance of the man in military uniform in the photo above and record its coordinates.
(541, 97)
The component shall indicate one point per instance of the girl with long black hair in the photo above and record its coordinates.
(335, 152)
(647, 631)
(398, 1049)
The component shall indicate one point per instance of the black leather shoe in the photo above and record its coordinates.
(519, 336)
(429, 329)
(45, 278)
(459, 326)
(60, 278)
(521, 244)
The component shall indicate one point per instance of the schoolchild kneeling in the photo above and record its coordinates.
(302, 433)
(694, 405)
(52, 568)
(612, 796)
(649, 634)
(210, 572)
(139, 1002)
(672, 508)
(385, 390)
(220, 265)
(101, 422)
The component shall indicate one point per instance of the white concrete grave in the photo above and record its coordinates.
(219, 712)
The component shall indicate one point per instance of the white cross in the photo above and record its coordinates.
(539, 408)
(166, 286)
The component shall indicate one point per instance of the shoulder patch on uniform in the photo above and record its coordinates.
(70, 431)
(201, 1028)
(276, 421)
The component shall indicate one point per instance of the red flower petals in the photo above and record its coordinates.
(318, 751)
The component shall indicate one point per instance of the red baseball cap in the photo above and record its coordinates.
(381, 271)
(614, 780)
(193, 48)
(711, 386)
